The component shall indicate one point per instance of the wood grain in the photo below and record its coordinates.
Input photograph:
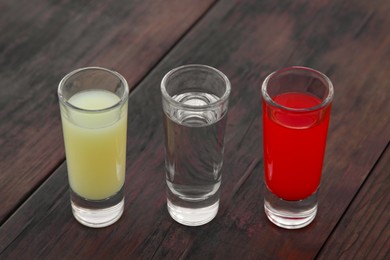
(246, 40)
(364, 231)
(40, 42)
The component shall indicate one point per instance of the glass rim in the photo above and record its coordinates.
(65, 101)
(325, 102)
(221, 100)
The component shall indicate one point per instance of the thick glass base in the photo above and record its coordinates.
(97, 213)
(290, 214)
(193, 216)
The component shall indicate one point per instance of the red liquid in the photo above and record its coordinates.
(294, 145)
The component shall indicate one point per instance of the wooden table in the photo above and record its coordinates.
(42, 40)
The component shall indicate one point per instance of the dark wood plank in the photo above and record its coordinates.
(40, 42)
(247, 40)
(36, 209)
(364, 231)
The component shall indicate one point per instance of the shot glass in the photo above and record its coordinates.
(93, 104)
(195, 103)
(296, 109)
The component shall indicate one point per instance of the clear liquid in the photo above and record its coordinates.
(194, 153)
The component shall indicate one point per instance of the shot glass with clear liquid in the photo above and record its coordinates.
(93, 104)
(296, 110)
(195, 104)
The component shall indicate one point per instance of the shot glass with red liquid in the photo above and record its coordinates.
(296, 109)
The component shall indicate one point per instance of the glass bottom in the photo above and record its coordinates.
(193, 216)
(290, 214)
(97, 213)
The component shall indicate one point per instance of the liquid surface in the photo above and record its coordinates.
(297, 100)
(199, 117)
(294, 146)
(94, 99)
(95, 144)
